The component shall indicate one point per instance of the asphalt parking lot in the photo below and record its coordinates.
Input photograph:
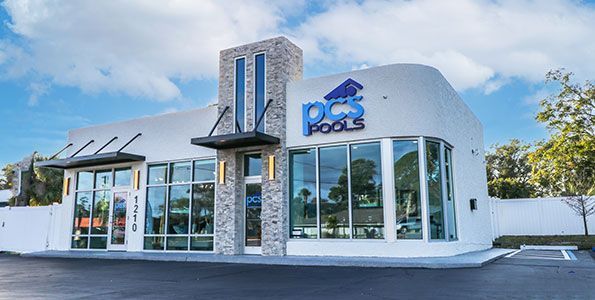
(56, 278)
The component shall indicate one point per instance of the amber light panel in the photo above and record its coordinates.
(221, 172)
(271, 167)
(66, 186)
(136, 183)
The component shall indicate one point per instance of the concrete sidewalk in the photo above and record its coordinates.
(467, 260)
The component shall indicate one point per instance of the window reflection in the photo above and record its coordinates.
(259, 92)
(179, 200)
(82, 213)
(180, 172)
(103, 179)
(204, 170)
(450, 210)
(203, 208)
(155, 210)
(407, 190)
(240, 94)
(366, 191)
(434, 180)
(252, 164)
(84, 181)
(302, 172)
(101, 205)
(122, 177)
(334, 213)
(157, 174)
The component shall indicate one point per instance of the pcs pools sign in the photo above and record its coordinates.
(341, 111)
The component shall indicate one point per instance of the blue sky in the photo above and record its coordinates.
(70, 64)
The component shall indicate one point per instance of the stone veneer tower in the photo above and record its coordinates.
(284, 63)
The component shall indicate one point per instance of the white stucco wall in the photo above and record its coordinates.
(405, 100)
(164, 137)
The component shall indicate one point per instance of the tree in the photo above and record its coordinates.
(509, 171)
(38, 186)
(564, 165)
(583, 206)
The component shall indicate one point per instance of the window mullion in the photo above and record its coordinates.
(349, 196)
(388, 190)
(423, 188)
(318, 198)
(444, 191)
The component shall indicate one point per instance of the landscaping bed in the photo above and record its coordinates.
(515, 242)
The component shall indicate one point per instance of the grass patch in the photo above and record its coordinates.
(515, 242)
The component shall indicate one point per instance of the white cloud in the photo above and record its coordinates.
(141, 47)
(472, 42)
(135, 47)
(37, 89)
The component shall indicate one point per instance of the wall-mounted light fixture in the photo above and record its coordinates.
(136, 182)
(66, 186)
(222, 172)
(271, 167)
(473, 204)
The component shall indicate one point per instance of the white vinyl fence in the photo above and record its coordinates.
(537, 216)
(29, 229)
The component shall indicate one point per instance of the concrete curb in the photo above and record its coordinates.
(467, 260)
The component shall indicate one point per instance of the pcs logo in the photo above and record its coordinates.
(346, 120)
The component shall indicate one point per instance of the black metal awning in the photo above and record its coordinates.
(90, 160)
(95, 159)
(236, 140)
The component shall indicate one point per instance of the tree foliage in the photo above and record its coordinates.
(564, 165)
(509, 171)
(39, 186)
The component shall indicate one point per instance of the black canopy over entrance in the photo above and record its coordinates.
(95, 159)
(239, 139)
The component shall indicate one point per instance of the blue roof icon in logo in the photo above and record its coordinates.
(346, 89)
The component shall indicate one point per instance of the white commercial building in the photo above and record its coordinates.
(386, 161)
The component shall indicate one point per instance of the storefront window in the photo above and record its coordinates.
(407, 190)
(179, 172)
(92, 206)
(155, 210)
(366, 191)
(347, 179)
(452, 222)
(434, 182)
(188, 222)
(302, 190)
(122, 177)
(334, 201)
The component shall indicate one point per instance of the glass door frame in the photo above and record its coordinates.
(257, 250)
(118, 247)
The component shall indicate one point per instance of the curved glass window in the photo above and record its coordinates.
(366, 191)
(434, 182)
(450, 199)
(407, 190)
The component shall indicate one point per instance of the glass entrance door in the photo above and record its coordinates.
(252, 203)
(117, 230)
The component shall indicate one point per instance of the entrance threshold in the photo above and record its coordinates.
(467, 260)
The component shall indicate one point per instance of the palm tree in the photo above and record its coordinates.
(305, 193)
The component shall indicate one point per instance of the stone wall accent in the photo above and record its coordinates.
(284, 63)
